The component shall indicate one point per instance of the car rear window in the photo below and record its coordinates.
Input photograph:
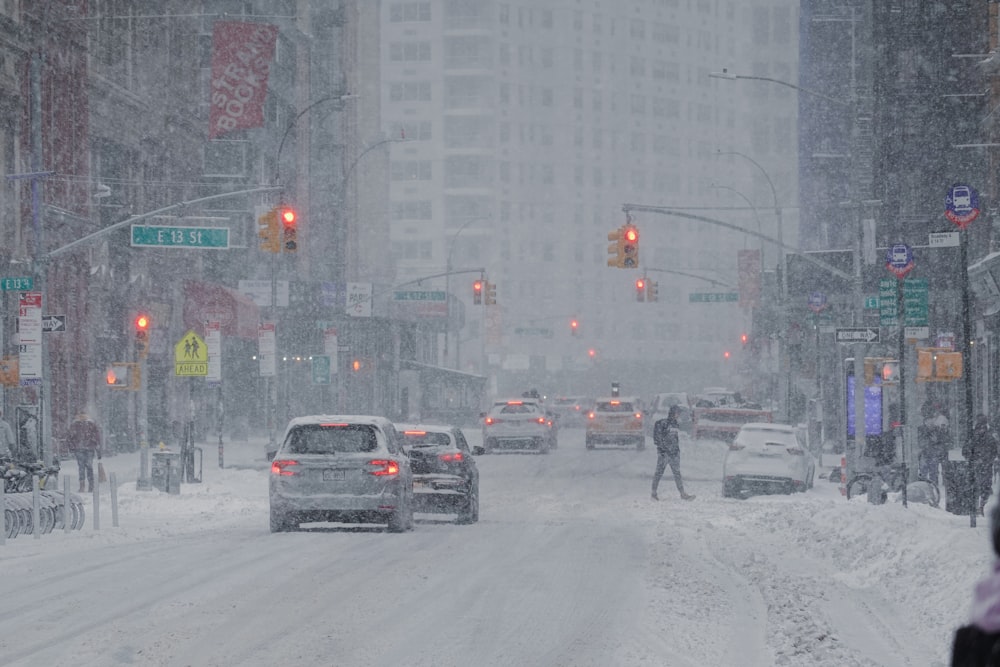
(616, 406)
(517, 409)
(332, 439)
(425, 439)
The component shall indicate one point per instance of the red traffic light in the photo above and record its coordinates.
(141, 322)
(631, 234)
(573, 324)
(288, 216)
(640, 284)
(725, 355)
(744, 338)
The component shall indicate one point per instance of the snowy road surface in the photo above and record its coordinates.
(571, 564)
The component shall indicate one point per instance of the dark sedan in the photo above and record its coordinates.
(445, 477)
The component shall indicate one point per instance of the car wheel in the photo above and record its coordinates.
(543, 445)
(397, 521)
(730, 488)
(411, 523)
(470, 511)
(489, 445)
(280, 522)
(589, 443)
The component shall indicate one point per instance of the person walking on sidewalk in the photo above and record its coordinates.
(666, 437)
(84, 443)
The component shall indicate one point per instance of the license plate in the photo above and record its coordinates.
(333, 475)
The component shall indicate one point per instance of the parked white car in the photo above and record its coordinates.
(768, 458)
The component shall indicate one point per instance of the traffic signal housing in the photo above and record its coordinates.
(141, 323)
(616, 249)
(269, 231)
(574, 326)
(652, 290)
(289, 228)
(490, 293)
(630, 247)
(640, 290)
(121, 375)
(477, 292)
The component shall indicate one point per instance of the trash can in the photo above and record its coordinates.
(166, 471)
(955, 475)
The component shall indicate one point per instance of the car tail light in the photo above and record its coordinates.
(590, 415)
(283, 467)
(452, 457)
(384, 467)
(735, 446)
(638, 415)
(540, 420)
(488, 421)
(796, 451)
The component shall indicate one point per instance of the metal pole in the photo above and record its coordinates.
(858, 350)
(902, 386)
(967, 376)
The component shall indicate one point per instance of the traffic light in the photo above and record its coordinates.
(630, 247)
(477, 293)
(123, 376)
(890, 372)
(616, 249)
(725, 355)
(268, 231)
(289, 228)
(491, 293)
(744, 339)
(592, 353)
(142, 335)
(640, 290)
(574, 326)
(652, 290)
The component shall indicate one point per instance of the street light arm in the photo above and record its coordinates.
(350, 170)
(281, 146)
(421, 279)
(767, 177)
(726, 74)
(451, 244)
(717, 283)
(666, 210)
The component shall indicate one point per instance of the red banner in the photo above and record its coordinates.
(241, 59)
(749, 264)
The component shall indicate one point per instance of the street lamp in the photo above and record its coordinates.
(447, 288)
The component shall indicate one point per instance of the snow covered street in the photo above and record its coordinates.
(570, 564)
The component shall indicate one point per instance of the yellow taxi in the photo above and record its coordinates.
(615, 421)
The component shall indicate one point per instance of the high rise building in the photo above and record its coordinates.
(530, 125)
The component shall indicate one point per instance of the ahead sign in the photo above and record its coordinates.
(865, 335)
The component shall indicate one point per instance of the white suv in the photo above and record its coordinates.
(517, 424)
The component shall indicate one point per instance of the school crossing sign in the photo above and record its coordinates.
(191, 356)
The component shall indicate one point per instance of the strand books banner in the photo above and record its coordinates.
(241, 60)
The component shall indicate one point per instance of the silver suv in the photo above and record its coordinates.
(348, 469)
(517, 424)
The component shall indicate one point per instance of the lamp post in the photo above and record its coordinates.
(447, 288)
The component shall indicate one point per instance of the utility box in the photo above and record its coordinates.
(166, 471)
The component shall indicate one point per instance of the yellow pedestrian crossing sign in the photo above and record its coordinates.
(191, 356)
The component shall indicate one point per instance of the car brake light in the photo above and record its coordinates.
(735, 446)
(515, 402)
(540, 420)
(452, 457)
(329, 425)
(576, 407)
(489, 420)
(414, 432)
(796, 451)
(638, 415)
(616, 402)
(590, 415)
(283, 467)
(385, 467)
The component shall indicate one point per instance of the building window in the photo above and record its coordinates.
(405, 12)
(466, 171)
(410, 91)
(462, 92)
(411, 170)
(466, 51)
(414, 130)
(411, 210)
(410, 52)
(465, 14)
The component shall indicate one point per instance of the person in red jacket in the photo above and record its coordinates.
(84, 443)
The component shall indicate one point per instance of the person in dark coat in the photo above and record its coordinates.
(981, 453)
(666, 437)
(978, 643)
(84, 442)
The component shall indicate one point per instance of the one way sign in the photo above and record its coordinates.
(53, 323)
(864, 335)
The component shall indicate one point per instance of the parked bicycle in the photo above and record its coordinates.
(890, 479)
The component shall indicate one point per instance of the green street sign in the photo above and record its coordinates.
(321, 369)
(180, 237)
(420, 295)
(871, 303)
(19, 284)
(915, 291)
(713, 297)
(887, 306)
